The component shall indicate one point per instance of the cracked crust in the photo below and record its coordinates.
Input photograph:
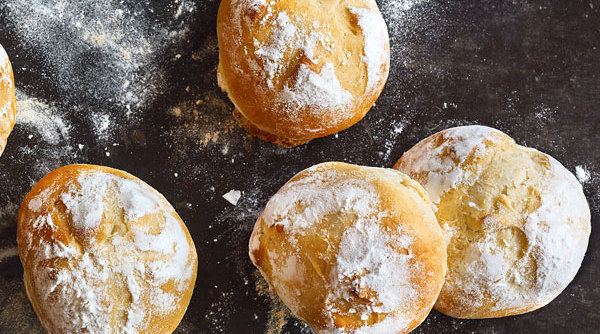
(516, 222)
(104, 278)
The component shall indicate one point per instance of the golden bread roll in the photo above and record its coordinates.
(298, 70)
(8, 101)
(352, 249)
(516, 222)
(103, 252)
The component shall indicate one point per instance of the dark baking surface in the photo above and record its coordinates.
(529, 68)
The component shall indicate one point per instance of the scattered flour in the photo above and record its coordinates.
(8, 215)
(102, 125)
(47, 142)
(544, 113)
(398, 12)
(402, 17)
(46, 120)
(119, 46)
(391, 137)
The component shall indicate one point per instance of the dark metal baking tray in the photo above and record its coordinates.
(529, 68)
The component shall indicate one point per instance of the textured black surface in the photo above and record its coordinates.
(529, 68)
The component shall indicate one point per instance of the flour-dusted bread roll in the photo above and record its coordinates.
(352, 249)
(103, 252)
(298, 70)
(8, 101)
(516, 222)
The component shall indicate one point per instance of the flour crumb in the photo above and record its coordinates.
(583, 175)
(233, 196)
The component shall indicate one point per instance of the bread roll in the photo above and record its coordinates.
(352, 249)
(298, 70)
(516, 222)
(103, 252)
(8, 101)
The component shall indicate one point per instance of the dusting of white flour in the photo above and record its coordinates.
(117, 44)
(45, 120)
(75, 297)
(376, 42)
(443, 172)
(557, 232)
(367, 255)
(583, 175)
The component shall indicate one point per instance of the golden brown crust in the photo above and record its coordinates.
(8, 101)
(308, 266)
(253, 130)
(257, 75)
(55, 249)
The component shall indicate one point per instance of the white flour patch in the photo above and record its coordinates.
(583, 175)
(47, 144)
(376, 44)
(46, 120)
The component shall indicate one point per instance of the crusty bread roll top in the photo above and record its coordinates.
(351, 249)
(103, 252)
(516, 221)
(298, 70)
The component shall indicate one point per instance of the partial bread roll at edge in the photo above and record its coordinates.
(103, 252)
(8, 101)
(299, 70)
(352, 249)
(516, 221)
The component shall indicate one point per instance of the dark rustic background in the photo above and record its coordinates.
(529, 68)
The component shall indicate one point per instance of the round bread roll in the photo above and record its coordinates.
(352, 249)
(103, 252)
(515, 221)
(8, 101)
(298, 70)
